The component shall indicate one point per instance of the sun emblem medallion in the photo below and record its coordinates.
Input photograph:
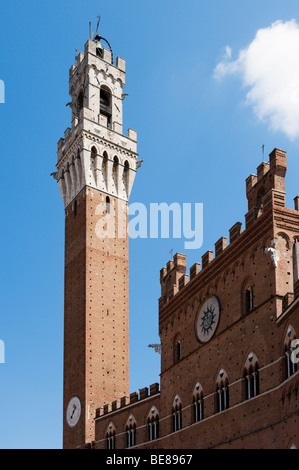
(207, 319)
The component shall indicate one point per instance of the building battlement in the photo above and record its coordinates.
(265, 191)
(126, 401)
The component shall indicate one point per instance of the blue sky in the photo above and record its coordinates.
(200, 136)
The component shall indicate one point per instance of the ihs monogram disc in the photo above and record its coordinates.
(207, 319)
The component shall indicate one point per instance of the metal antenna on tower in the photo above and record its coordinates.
(263, 151)
(171, 253)
(98, 24)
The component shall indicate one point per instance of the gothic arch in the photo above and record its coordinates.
(177, 414)
(177, 347)
(222, 377)
(285, 238)
(251, 382)
(110, 436)
(289, 335)
(222, 392)
(130, 431)
(152, 422)
(247, 295)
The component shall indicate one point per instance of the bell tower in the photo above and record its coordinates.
(96, 168)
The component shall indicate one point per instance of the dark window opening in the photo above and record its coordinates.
(106, 105)
(178, 351)
(80, 102)
(108, 205)
(100, 52)
(249, 300)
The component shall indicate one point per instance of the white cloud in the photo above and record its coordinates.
(269, 67)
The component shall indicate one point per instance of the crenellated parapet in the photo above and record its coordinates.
(169, 276)
(266, 188)
(265, 192)
(133, 398)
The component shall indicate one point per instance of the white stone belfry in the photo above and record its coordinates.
(94, 152)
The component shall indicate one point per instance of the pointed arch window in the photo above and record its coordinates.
(198, 404)
(126, 175)
(105, 168)
(222, 392)
(111, 441)
(177, 348)
(153, 425)
(252, 382)
(110, 437)
(131, 432)
(177, 415)
(247, 297)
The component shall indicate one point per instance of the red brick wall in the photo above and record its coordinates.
(96, 314)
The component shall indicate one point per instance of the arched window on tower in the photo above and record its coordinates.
(106, 106)
(93, 155)
(80, 101)
(115, 170)
(108, 205)
(198, 404)
(126, 176)
(177, 414)
(105, 169)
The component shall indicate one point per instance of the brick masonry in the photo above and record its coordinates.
(270, 419)
(96, 350)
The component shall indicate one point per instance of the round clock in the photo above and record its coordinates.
(73, 412)
(207, 319)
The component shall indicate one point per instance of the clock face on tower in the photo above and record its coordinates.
(73, 412)
(207, 319)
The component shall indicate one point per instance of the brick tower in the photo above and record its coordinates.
(95, 172)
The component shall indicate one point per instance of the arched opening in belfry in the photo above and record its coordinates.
(80, 102)
(126, 175)
(106, 106)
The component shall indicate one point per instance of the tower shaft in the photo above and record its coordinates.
(95, 173)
